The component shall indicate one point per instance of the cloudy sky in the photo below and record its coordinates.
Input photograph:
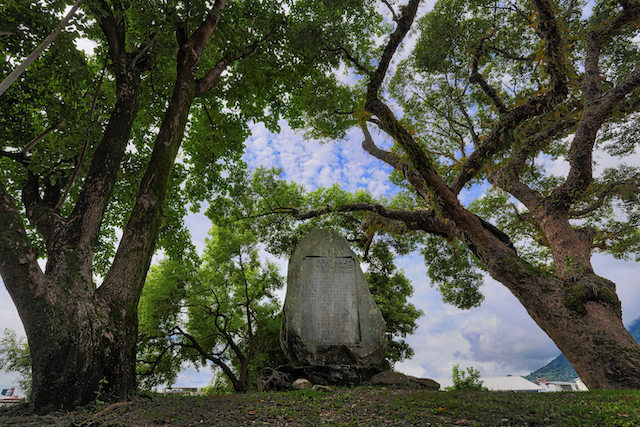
(498, 338)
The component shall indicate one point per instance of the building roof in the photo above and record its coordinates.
(499, 384)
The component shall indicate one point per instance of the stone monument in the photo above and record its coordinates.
(329, 316)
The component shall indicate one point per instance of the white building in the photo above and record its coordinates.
(551, 386)
(509, 383)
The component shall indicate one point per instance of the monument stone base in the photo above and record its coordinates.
(331, 375)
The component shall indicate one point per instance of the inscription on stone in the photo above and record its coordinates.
(329, 316)
(330, 301)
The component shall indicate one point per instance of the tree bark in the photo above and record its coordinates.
(583, 317)
(82, 346)
(75, 347)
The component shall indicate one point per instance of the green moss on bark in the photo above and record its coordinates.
(590, 288)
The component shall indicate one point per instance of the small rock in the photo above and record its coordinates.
(398, 379)
(425, 383)
(318, 387)
(331, 375)
(301, 384)
(391, 378)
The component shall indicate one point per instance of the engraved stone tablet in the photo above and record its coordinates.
(329, 316)
(330, 301)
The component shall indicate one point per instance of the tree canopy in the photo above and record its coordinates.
(154, 120)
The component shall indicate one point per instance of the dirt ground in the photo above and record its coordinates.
(356, 407)
(359, 406)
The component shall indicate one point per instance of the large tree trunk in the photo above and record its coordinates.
(80, 351)
(579, 310)
(596, 343)
(81, 340)
(582, 316)
(78, 340)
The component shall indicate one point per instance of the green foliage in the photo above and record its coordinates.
(218, 385)
(454, 269)
(390, 290)
(497, 207)
(450, 115)
(469, 381)
(40, 100)
(327, 33)
(440, 30)
(14, 357)
(272, 205)
(269, 205)
(159, 310)
(299, 44)
(614, 222)
(267, 343)
(72, 94)
(221, 311)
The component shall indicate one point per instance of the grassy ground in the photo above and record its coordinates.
(361, 406)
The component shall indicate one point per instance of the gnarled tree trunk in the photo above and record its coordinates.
(82, 338)
(582, 316)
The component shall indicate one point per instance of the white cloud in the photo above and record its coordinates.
(497, 338)
(191, 377)
(314, 164)
(9, 318)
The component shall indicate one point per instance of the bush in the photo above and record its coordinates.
(469, 381)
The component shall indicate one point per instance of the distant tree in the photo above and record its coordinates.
(223, 313)
(14, 357)
(390, 290)
(159, 357)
